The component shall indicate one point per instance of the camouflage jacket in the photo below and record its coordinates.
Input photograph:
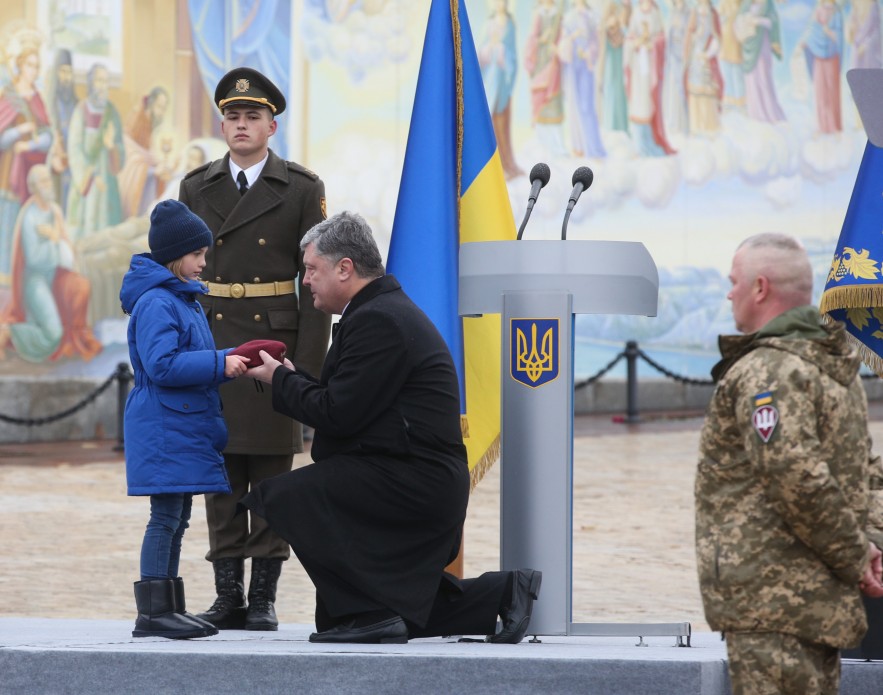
(782, 486)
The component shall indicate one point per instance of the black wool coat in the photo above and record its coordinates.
(257, 239)
(378, 516)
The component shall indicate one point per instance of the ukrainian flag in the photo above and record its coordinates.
(453, 191)
(853, 292)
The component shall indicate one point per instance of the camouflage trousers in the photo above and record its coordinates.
(772, 663)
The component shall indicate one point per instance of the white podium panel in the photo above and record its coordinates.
(538, 287)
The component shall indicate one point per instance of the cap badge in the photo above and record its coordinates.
(241, 85)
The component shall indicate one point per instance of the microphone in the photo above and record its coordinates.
(539, 177)
(581, 180)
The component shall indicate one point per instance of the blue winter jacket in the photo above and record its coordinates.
(174, 430)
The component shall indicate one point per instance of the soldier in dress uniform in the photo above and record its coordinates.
(258, 207)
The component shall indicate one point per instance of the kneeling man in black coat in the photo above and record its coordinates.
(378, 516)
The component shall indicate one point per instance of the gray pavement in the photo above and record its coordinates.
(71, 655)
(57, 656)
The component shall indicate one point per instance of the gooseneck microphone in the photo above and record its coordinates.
(582, 179)
(539, 177)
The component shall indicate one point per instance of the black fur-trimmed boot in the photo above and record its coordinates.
(181, 606)
(228, 610)
(262, 594)
(157, 615)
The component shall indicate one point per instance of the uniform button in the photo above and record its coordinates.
(257, 317)
(256, 280)
(219, 242)
(262, 242)
(219, 316)
(186, 407)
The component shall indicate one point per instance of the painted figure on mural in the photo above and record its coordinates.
(674, 98)
(644, 63)
(193, 157)
(731, 56)
(864, 33)
(704, 82)
(46, 317)
(61, 100)
(614, 105)
(823, 47)
(25, 138)
(96, 154)
(578, 50)
(145, 174)
(544, 68)
(757, 27)
(499, 65)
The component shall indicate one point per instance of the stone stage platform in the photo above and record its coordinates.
(69, 657)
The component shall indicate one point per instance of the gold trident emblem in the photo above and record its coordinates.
(533, 363)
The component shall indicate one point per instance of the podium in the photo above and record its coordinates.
(538, 287)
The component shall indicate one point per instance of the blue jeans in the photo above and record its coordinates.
(161, 549)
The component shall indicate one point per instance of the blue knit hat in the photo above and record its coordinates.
(175, 231)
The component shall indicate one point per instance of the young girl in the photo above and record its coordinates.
(174, 431)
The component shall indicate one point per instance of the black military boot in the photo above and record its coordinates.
(228, 610)
(157, 617)
(262, 593)
(181, 606)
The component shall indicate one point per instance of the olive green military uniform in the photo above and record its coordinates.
(257, 251)
(782, 502)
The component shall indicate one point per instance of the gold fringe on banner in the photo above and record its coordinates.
(868, 356)
(485, 463)
(464, 426)
(851, 297)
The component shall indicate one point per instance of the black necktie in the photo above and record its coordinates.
(242, 181)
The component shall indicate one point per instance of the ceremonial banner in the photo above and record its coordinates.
(453, 191)
(854, 290)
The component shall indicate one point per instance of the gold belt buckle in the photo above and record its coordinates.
(237, 290)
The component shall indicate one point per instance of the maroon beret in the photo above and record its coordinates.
(252, 350)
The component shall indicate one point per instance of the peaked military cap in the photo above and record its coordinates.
(248, 87)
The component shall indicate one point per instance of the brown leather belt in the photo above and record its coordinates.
(238, 290)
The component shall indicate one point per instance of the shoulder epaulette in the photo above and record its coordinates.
(309, 173)
(197, 170)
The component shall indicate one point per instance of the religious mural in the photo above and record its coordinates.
(704, 121)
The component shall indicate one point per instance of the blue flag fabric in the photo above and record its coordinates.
(853, 292)
(453, 191)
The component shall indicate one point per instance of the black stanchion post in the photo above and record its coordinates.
(124, 377)
(631, 359)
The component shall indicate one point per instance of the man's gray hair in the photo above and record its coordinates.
(347, 235)
(782, 259)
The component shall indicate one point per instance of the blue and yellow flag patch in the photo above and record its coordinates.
(764, 398)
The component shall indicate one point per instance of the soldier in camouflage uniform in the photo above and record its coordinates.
(784, 542)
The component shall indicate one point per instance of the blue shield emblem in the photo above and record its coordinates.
(533, 351)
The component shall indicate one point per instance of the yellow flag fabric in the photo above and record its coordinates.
(453, 191)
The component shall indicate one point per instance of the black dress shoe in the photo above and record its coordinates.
(516, 616)
(389, 631)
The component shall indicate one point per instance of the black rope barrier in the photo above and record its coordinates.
(592, 379)
(123, 375)
(631, 354)
(671, 375)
